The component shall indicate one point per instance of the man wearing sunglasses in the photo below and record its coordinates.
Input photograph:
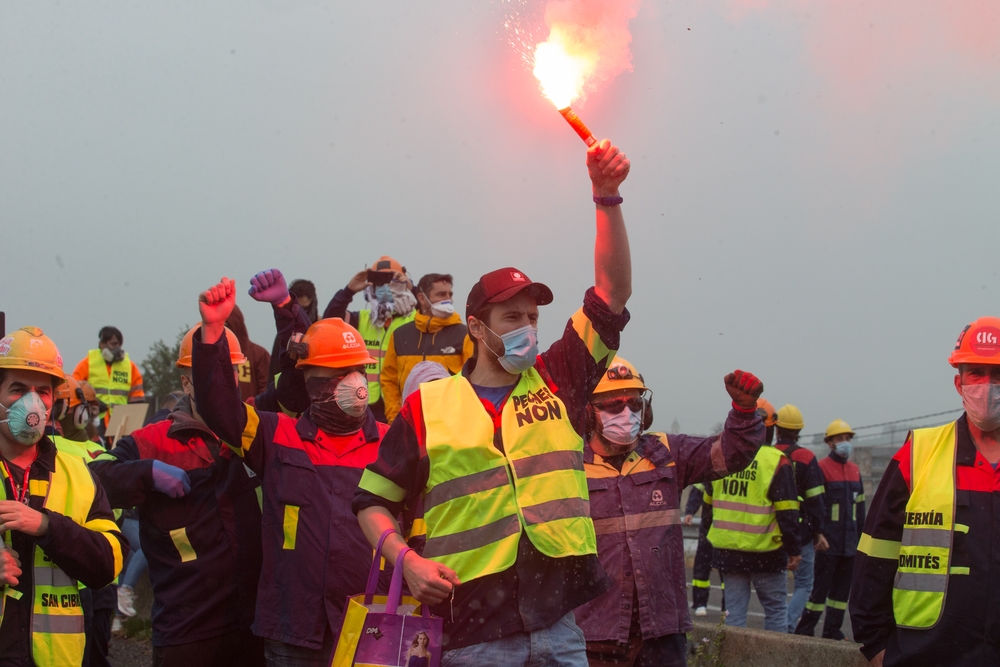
(635, 481)
(390, 301)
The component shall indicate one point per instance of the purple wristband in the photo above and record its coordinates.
(608, 201)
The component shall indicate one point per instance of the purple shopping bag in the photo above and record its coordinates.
(386, 631)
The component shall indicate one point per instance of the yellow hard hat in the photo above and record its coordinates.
(620, 375)
(837, 427)
(30, 349)
(790, 417)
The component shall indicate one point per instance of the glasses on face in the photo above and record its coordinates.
(615, 405)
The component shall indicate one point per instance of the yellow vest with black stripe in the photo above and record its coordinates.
(743, 517)
(57, 635)
(478, 499)
(113, 388)
(377, 341)
(921, 583)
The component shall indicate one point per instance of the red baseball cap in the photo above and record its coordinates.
(502, 284)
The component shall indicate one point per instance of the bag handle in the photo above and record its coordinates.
(396, 585)
(373, 572)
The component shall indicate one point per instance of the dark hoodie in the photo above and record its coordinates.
(204, 550)
(254, 372)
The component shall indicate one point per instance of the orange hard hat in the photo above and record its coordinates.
(386, 263)
(770, 416)
(333, 343)
(187, 343)
(70, 391)
(979, 343)
(29, 349)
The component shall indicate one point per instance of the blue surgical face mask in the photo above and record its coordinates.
(621, 428)
(843, 449)
(26, 418)
(520, 349)
(383, 293)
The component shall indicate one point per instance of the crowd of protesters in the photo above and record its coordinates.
(538, 512)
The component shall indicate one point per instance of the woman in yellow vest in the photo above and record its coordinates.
(495, 454)
(925, 575)
(58, 530)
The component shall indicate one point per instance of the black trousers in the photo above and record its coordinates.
(236, 649)
(831, 588)
(700, 576)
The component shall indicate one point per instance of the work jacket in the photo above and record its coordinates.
(809, 486)
(426, 338)
(845, 504)
(537, 590)
(637, 519)
(314, 553)
(956, 538)
(204, 548)
(41, 619)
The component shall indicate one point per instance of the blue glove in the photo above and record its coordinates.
(170, 480)
(269, 286)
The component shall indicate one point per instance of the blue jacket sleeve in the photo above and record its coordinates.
(694, 501)
(712, 458)
(338, 307)
(244, 429)
(783, 490)
(124, 474)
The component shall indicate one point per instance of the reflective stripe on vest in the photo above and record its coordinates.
(57, 632)
(377, 340)
(921, 583)
(743, 518)
(113, 388)
(479, 499)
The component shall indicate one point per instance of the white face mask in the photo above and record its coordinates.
(982, 404)
(443, 309)
(620, 428)
(351, 394)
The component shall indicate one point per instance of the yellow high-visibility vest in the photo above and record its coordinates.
(112, 388)
(928, 529)
(377, 341)
(57, 634)
(478, 499)
(743, 517)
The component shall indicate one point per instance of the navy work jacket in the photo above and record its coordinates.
(845, 505)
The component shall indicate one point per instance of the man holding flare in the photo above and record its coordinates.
(495, 454)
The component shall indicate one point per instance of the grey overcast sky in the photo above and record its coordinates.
(814, 192)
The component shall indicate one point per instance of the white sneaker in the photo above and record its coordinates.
(700, 611)
(116, 626)
(126, 601)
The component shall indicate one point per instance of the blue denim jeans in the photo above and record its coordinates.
(772, 591)
(560, 645)
(803, 586)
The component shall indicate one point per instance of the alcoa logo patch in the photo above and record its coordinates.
(657, 498)
(350, 340)
(986, 342)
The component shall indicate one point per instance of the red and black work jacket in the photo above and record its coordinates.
(968, 632)
(845, 504)
(809, 484)
(203, 549)
(314, 553)
(636, 512)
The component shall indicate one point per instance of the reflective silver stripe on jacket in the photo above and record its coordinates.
(57, 625)
(913, 581)
(926, 537)
(52, 576)
(621, 524)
